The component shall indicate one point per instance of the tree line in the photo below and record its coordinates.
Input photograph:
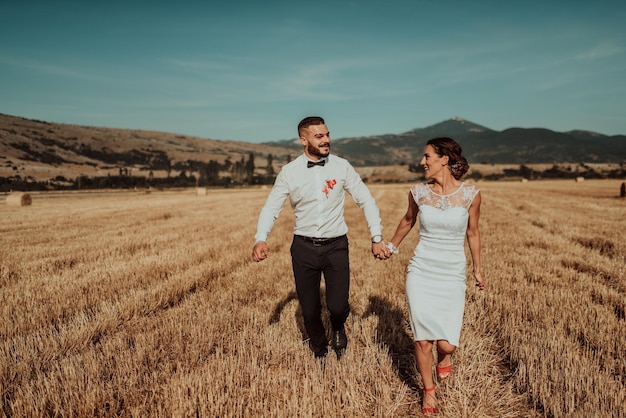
(243, 172)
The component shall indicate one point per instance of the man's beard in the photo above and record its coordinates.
(316, 151)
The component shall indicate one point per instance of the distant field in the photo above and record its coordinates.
(373, 174)
(401, 173)
(147, 304)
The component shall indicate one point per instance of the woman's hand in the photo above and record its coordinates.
(480, 282)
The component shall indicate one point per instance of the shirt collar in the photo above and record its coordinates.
(308, 159)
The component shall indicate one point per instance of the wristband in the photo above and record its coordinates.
(392, 248)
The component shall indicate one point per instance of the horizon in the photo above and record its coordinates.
(248, 72)
(453, 118)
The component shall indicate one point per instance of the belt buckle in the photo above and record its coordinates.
(317, 242)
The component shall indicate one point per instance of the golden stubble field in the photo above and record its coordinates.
(136, 304)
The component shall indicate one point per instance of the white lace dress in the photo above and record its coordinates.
(435, 281)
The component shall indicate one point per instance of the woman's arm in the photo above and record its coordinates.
(406, 222)
(473, 239)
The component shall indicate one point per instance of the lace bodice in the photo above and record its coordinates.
(443, 218)
(462, 197)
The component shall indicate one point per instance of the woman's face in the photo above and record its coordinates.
(432, 163)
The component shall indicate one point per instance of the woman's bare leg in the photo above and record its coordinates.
(424, 358)
(444, 356)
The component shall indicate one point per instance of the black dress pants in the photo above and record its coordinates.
(309, 261)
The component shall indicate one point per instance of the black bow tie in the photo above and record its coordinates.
(310, 164)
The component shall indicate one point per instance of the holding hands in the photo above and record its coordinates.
(383, 250)
(380, 250)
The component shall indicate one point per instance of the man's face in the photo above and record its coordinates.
(316, 141)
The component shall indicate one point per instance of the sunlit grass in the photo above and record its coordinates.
(135, 304)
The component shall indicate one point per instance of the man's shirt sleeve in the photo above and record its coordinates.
(364, 199)
(273, 205)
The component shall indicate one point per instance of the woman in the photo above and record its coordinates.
(448, 211)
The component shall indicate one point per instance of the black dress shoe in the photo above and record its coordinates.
(321, 354)
(340, 342)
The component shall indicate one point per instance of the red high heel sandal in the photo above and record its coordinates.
(429, 410)
(444, 372)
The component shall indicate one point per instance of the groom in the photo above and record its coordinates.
(316, 183)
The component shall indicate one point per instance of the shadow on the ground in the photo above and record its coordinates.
(391, 332)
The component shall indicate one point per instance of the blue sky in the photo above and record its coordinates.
(250, 70)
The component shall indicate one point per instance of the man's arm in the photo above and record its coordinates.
(273, 205)
(364, 199)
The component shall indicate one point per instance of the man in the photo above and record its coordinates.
(315, 183)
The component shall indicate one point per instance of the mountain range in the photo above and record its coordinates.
(43, 150)
(482, 145)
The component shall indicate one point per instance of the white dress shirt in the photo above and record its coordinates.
(317, 196)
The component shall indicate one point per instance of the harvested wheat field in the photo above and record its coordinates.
(133, 304)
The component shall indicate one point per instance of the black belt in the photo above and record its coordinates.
(318, 242)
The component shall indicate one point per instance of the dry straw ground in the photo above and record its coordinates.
(136, 304)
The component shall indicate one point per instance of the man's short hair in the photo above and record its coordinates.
(310, 120)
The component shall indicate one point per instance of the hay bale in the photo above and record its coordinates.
(19, 199)
(580, 179)
(201, 191)
(524, 180)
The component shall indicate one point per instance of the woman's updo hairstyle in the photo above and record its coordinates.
(457, 164)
